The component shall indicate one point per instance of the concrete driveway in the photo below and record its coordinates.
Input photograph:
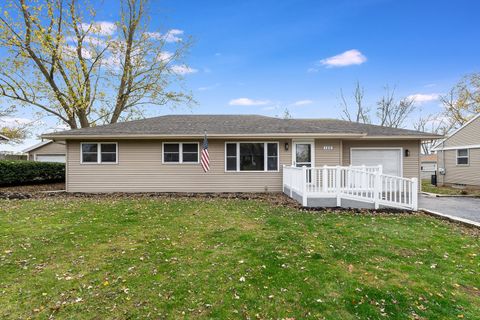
(459, 207)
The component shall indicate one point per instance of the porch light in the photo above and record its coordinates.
(407, 153)
(286, 146)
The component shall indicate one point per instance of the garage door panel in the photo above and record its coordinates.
(50, 158)
(390, 159)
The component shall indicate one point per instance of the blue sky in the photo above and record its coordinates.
(264, 56)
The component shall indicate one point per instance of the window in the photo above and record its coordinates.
(231, 157)
(95, 152)
(180, 152)
(251, 156)
(462, 157)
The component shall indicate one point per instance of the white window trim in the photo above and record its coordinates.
(461, 157)
(303, 141)
(381, 148)
(99, 153)
(180, 155)
(265, 155)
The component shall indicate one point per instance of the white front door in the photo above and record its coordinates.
(389, 158)
(303, 154)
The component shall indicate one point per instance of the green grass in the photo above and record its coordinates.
(428, 187)
(154, 258)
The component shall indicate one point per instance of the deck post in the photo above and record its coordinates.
(324, 179)
(304, 186)
(338, 185)
(283, 178)
(291, 183)
(377, 189)
(414, 194)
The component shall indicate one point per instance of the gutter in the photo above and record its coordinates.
(200, 136)
(242, 135)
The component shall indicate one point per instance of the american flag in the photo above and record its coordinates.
(205, 159)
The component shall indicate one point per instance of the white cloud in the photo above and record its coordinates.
(13, 122)
(153, 35)
(302, 102)
(165, 56)
(173, 35)
(182, 69)
(71, 51)
(424, 98)
(347, 58)
(248, 102)
(102, 28)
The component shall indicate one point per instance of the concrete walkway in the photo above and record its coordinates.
(459, 208)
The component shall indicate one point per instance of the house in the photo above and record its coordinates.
(247, 153)
(47, 151)
(428, 166)
(3, 138)
(459, 156)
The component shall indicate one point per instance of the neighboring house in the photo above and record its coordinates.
(428, 165)
(47, 151)
(459, 156)
(3, 138)
(247, 152)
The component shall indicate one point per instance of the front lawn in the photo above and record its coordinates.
(156, 258)
(428, 187)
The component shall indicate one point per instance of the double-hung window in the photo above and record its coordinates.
(180, 152)
(462, 157)
(251, 156)
(99, 152)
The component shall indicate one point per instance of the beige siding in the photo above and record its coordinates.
(411, 164)
(324, 156)
(140, 169)
(459, 174)
(50, 148)
(468, 135)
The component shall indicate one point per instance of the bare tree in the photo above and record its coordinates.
(388, 112)
(63, 62)
(393, 113)
(360, 113)
(434, 123)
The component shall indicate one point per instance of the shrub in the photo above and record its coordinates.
(16, 172)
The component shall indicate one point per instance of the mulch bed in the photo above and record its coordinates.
(33, 188)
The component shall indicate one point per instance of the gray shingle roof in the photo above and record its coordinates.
(233, 125)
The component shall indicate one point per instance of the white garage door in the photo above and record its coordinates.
(50, 158)
(390, 159)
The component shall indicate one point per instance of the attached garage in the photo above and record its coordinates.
(389, 158)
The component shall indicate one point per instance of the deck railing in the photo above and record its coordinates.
(361, 183)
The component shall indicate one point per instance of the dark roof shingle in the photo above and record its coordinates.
(233, 125)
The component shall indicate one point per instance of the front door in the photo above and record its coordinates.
(303, 154)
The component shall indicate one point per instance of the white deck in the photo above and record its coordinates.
(360, 187)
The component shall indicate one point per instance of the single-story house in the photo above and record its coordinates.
(428, 165)
(247, 152)
(459, 156)
(47, 151)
